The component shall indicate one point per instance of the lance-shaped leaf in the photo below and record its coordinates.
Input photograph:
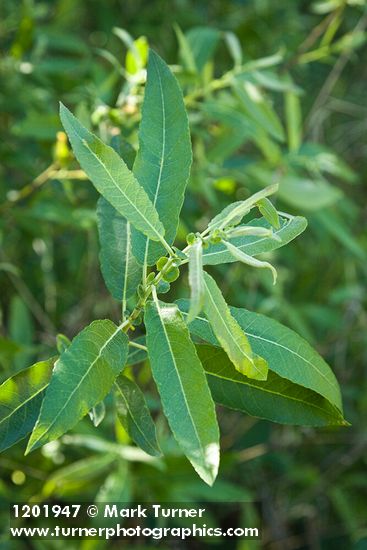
(134, 415)
(229, 333)
(275, 399)
(233, 213)
(249, 260)
(82, 377)
(287, 354)
(162, 165)
(112, 178)
(203, 42)
(253, 245)
(121, 271)
(20, 402)
(183, 388)
(268, 210)
(253, 230)
(78, 473)
(196, 279)
(258, 109)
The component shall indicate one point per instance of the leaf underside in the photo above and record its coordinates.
(287, 353)
(276, 399)
(183, 388)
(134, 415)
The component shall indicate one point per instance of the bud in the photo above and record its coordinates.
(216, 236)
(190, 238)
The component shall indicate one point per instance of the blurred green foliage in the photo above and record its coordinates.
(275, 92)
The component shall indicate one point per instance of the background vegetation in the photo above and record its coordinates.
(303, 124)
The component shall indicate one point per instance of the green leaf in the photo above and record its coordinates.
(82, 377)
(162, 164)
(136, 58)
(249, 260)
(73, 475)
(183, 388)
(258, 109)
(234, 47)
(195, 255)
(233, 213)
(315, 157)
(126, 452)
(112, 178)
(203, 42)
(293, 114)
(308, 194)
(287, 354)
(267, 209)
(20, 402)
(289, 229)
(275, 399)
(124, 149)
(120, 269)
(273, 81)
(229, 333)
(186, 54)
(134, 415)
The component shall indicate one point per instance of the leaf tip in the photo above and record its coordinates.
(30, 447)
(62, 109)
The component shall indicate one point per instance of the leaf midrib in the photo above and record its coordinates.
(331, 382)
(265, 390)
(179, 378)
(163, 152)
(23, 403)
(196, 276)
(260, 240)
(229, 332)
(85, 143)
(79, 384)
(127, 259)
